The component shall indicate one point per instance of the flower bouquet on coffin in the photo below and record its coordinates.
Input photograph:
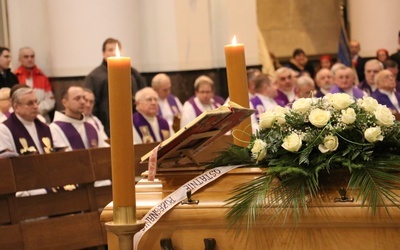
(317, 136)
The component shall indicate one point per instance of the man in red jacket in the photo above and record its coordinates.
(28, 73)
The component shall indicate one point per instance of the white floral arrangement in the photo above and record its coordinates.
(318, 135)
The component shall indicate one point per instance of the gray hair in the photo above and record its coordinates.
(157, 79)
(318, 75)
(203, 79)
(304, 81)
(336, 67)
(372, 62)
(139, 94)
(16, 96)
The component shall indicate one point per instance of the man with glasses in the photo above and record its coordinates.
(28, 73)
(7, 78)
(202, 101)
(23, 132)
(285, 81)
(70, 127)
(149, 127)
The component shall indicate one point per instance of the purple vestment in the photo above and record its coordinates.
(19, 131)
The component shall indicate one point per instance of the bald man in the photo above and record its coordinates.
(28, 73)
(149, 127)
(170, 107)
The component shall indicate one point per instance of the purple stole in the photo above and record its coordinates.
(365, 87)
(383, 99)
(357, 93)
(281, 99)
(258, 106)
(196, 109)
(18, 131)
(172, 103)
(139, 121)
(75, 139)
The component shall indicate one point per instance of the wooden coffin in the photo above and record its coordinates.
(327, 225)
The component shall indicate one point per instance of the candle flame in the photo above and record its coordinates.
(117, 54)
(234, 40)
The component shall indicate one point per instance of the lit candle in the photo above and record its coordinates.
(122, 150)
(238, 88)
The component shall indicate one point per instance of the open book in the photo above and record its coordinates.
(199, 133)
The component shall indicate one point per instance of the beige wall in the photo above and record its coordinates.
(289, 24)
(158, 35)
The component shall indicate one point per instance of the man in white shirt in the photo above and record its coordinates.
(149, 127)
(202, 101)
(23, 133)
(70, 127)
(386, 94)
(324, 80)
(170, 107)
(90, 118)
(285, 81)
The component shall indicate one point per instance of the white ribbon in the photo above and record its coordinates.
(177, 196)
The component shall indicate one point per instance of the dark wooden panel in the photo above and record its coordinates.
(51, 170)
(10, 237)
(66, 232)
(101, 163)
(7, 184)
(4, 212)
(53, 204)
(103, 196)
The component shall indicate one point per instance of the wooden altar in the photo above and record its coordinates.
(327, 224)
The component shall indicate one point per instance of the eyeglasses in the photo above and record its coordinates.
(205, 92)
(30, 103)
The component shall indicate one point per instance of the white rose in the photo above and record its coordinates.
(280, 113)
(302, 105)
(384, 116)
(373, 134)
(341, 100)
(267, 119)
(331, 143)
(292, 142)
(369, 104)
(348, 116)
(319, 118)
(259, 149)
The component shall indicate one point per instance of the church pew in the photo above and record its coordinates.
(61, 220)
(10, 234)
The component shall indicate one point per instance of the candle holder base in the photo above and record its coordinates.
(125, 233)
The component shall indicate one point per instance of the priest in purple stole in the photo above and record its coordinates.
(202, 101)
(344, 79)
(285, 82)
(385, 93)
(149, 127)
(169, 106)
(70, 128)
(23, 133)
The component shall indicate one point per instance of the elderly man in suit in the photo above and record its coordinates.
(385, 93)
